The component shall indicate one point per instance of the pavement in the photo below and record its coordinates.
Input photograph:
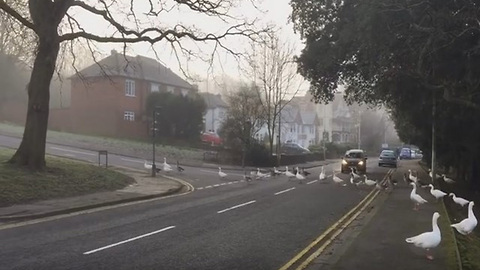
(380, 243)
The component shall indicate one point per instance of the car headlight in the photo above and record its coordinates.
(360, 163)
(344, 162)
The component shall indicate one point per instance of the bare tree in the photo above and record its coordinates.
(272, 67)
(131, 22)
(244, 118)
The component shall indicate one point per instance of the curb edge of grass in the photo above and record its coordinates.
(444, 208)
(90, 206)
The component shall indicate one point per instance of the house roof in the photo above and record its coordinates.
(309, 118)
(213, 100)
(137, 67)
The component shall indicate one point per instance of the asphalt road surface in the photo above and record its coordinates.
(223, 224)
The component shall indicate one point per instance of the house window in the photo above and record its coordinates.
(312, 130)
(170, 89)
(129, 116)
(184, 92)
(155, 87)
(129, 88)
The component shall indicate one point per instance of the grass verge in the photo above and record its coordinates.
(62, 178)
(125, 147)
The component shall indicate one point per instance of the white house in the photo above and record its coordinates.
(215, 113)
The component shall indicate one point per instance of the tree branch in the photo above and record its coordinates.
(9, 10)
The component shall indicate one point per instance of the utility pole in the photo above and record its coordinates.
(359, 129)
(154, 128)
(434, 171)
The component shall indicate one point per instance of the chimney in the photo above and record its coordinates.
(113, 52)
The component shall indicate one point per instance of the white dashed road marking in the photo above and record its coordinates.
(128, 240)
(283, 191)
(236, 206)
(311, 182)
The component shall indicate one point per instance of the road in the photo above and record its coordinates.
(257, 225)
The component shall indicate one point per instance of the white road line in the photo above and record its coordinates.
(72, 151)
(200, 188)
(236, 206)
(311, 182)
(283, 191)
(128, 240)
(216, 185)
(208, 187)
(223, 184)
(133, 160)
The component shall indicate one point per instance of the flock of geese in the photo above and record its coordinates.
(432, 239)
(164, 167)
(426, 240)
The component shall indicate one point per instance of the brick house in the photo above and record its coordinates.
(108, 98)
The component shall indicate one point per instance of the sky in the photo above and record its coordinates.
(271, 12)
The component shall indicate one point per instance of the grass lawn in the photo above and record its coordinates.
(114, 145)
(62, 178)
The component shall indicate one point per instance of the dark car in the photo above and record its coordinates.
(293, 149)
(387, 157)
(356, 159)
(406, 153)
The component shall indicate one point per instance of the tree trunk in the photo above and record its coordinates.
(31, 152)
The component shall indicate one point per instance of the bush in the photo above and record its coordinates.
(257, 155)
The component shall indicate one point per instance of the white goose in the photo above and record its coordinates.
(369, 182)
(412, 177)
(299, 176)
(167, 168)
(416, 199)
(277, 172)
(428, 240)
(437, 193)
(322, 175)
(467, 225)
(147, 166)
(221, 174)
(458, 200)
(288, 173)
(165, 164)
(260, 174)
(448, 180)
(337, 179)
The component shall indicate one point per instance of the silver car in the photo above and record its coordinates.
(387, 157)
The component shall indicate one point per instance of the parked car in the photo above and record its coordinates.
(293, 149)
(211, 138)
(405, 153)
(354, 158)
(387, 157)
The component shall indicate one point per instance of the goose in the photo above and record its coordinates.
(378, 185)
(288, 173)
(354, 174)
(407, 179)
(147, 166)
(337, 179)
(428, 240)
(417, 199)
(165, 164)
(437, 193)
(276, 172)
(260, 174)
(412, 177)
(305, 173)
(246, 177)
(448, 180)
(369, 182)
(467, 225)
(458, 200)
(322, 175)
(179, 169)
(221, 174)
(430, 174)
(299, 176)
(167, 168)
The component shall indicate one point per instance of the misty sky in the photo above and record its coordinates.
(275, 11)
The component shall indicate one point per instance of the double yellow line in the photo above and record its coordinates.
(332, 232)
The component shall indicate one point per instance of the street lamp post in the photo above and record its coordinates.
(154, 128)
